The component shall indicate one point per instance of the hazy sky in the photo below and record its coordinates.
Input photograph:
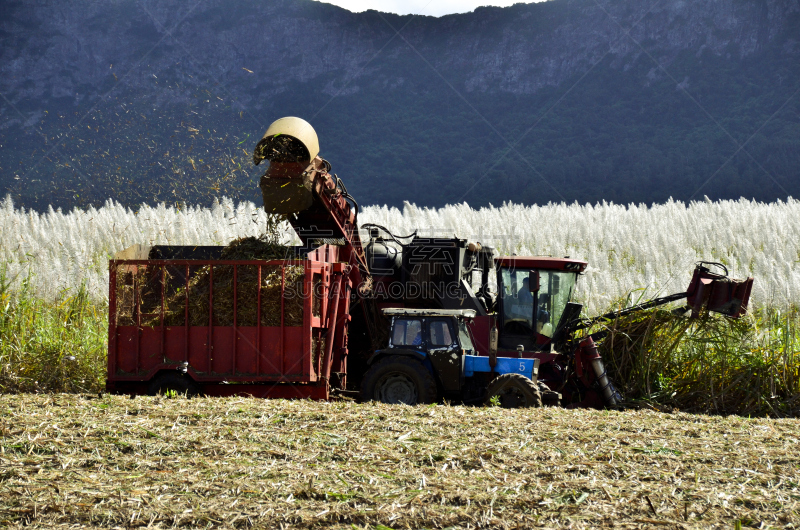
(422, 7)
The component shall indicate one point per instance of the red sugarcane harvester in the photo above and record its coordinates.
(397, 319)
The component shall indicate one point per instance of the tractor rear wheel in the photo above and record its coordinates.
(514, 391)
(169, 382)
(397, 379)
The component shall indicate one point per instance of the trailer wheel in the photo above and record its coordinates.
(173, 381)
(515, 391)
(397, 379)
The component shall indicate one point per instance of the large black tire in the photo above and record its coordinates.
(166, 382)
(550, 398)
(515, 391)
(397, 379)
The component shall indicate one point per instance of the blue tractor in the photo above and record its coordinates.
(430, 356)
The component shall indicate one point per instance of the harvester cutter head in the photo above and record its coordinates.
(717, 292)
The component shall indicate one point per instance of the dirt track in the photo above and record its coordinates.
(235, 462)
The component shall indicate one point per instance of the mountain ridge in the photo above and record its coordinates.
(423, 114)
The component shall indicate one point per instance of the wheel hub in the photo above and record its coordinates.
(396, 389)
(512, 399)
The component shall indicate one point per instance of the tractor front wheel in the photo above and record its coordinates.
(397, 379)
(513, 391)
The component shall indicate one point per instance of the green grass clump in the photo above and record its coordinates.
(50, 346)
(711, 364)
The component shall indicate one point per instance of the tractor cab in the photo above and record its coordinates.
(436, 340)
(534, 295)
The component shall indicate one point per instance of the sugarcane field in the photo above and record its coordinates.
(392, 265)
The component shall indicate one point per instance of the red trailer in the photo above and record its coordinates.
(167, 333)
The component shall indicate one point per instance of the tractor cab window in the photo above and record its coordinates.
(464, 337)
(439, 333)
(517, 300)
(407, 332)
(555, 290)
(522, 303)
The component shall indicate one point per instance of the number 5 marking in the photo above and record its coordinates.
(521, 367)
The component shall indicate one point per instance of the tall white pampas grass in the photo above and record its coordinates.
(651, 249)
(60, 251)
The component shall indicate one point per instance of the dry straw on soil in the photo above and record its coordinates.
(237, 462)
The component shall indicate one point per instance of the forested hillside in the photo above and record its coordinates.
(566, 100)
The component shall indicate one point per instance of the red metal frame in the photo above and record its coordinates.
(269, 361)
(718, 293)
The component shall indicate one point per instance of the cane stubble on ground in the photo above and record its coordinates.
(112, 461)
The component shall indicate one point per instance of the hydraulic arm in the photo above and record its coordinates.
(708, 290)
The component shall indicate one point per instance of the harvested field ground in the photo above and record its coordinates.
(119, 462)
